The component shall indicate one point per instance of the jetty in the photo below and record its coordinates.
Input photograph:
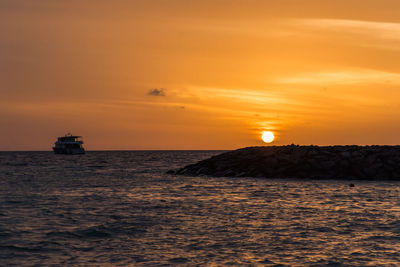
(303, 162)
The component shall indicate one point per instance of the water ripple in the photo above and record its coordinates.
(119, 208)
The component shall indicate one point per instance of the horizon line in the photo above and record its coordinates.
(269, 145)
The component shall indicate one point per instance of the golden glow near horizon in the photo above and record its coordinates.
(199, 74)
(268, 136)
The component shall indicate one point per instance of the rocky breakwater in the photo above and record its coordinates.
(309, 162)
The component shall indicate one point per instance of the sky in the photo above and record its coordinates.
(209, 74)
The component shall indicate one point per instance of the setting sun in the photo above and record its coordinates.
(267, 136)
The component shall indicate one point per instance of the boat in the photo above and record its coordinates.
(69, 144)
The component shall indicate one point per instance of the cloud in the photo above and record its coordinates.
(387, 30)
(342, 77)
(157, 92)
(378, 34)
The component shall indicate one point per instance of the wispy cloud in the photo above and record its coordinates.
(241, 95)
(341, 77)
(383, 34)
(387, 30)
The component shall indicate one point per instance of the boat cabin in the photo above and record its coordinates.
(69, 144)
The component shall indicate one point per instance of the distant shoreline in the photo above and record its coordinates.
(349, 162)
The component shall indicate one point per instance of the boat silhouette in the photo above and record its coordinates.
(69, 144)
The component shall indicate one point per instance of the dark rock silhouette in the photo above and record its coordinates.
(293, 161)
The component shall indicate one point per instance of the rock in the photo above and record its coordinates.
(328, 164)
(356, 154)
(345, 154)
(325, 162)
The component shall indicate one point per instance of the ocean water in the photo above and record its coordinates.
(120, 208)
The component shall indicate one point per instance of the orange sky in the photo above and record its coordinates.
(314, 72)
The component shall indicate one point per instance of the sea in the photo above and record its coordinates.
(120, 208)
